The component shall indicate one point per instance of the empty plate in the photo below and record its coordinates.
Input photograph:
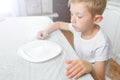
(40, 50)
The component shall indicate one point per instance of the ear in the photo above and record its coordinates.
(98, 19)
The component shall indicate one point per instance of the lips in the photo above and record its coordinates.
(74, 26)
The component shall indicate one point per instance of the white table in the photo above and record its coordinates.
(17, 31)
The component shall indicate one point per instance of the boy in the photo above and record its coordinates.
(90, 42)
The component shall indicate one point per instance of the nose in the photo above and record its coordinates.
(73, 19)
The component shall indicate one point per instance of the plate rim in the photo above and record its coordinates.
(30, 59)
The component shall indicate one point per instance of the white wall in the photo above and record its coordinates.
(9, 8)
(35, 7)
(114, 0)
(111, 25)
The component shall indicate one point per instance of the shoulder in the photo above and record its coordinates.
(102, 37)
(102, 41)
(102, 47)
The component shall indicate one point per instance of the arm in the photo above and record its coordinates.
(53, 27)
(58, 25)
(98, 71)
(77, 68)
(99, 67)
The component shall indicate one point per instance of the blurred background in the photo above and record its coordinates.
(9, 8)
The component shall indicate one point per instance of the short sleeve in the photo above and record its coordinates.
(103, 51)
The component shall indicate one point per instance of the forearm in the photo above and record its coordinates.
(56, 26)
(98, 70)
(94, 74)
(53, 27)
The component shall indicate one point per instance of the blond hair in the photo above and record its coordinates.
(94, 6)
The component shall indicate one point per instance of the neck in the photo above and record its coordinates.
(90, 33)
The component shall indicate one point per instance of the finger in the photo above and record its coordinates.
(75, 72)
(73, 63)
(69, 61)
(41, 36)
(72, 69)
(78, 75)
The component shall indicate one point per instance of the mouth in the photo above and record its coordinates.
(74, 26)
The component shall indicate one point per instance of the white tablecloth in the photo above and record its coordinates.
(17, 31)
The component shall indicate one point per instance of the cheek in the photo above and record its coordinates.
(85, 22)
(79, 27)
(83, 25)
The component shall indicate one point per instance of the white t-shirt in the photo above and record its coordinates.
(93, 50)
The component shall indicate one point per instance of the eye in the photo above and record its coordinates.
(80, 17)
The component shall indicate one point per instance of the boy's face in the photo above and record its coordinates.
(81, 18)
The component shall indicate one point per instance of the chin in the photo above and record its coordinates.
(76, 29)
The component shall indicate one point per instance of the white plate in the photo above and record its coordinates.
(40, 50)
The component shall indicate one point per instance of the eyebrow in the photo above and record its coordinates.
(76, 13)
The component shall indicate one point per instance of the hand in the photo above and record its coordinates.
(77, 68)
(42, 34)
